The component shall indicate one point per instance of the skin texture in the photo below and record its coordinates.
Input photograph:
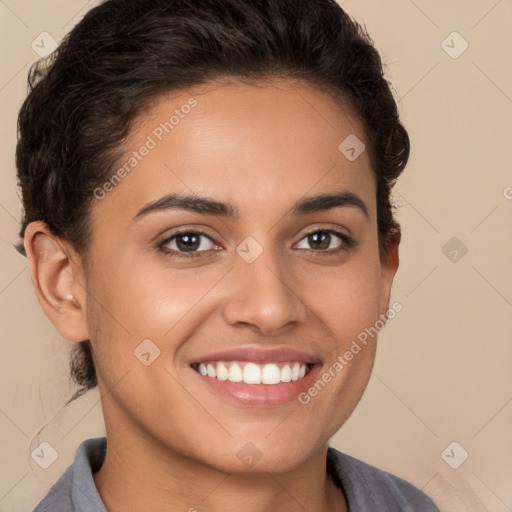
(173, 444)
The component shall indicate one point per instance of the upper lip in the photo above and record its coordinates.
(258, 355)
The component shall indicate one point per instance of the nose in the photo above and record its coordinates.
(261, 294)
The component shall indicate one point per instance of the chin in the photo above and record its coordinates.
(259, 458)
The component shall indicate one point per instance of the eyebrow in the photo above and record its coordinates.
(207, 206)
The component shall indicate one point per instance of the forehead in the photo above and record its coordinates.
(253, 145)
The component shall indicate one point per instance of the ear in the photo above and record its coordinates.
(57, 276)
(389, 266)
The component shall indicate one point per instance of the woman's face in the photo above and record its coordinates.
(252, 284)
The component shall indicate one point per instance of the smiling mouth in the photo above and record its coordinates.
(252, 373)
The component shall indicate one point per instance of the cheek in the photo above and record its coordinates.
(348, 305)
(348, 298)
(130, 303)
(146, 300)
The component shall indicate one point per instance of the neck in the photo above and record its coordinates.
(141, 474)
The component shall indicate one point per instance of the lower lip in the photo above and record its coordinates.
(260, 395)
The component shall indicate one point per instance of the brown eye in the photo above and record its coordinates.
(322, 240)
(187, 244)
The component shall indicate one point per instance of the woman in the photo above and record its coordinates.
(206, 187)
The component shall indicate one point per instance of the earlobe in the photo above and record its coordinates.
(57, 281)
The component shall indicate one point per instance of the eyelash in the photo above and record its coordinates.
(348, 243)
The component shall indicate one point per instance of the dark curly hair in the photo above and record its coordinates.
(124, 54)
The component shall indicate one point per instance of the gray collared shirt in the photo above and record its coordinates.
(367, 488)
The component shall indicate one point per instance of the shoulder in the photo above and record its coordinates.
(75, 490)
(58, 498)
(369, 488)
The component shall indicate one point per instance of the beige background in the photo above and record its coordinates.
(443, 369)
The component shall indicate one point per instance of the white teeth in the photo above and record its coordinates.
(222, 372)
(271, 374)
(211, 371)
(296, 372)
(286, 373)
(235, 373)
(251, 373)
